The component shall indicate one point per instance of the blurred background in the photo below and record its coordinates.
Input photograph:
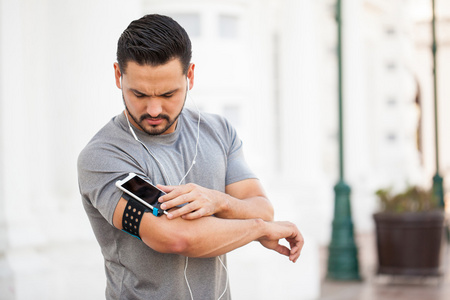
(271, 68)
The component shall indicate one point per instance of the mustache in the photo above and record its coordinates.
(160, 116)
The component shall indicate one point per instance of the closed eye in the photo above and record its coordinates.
(167, 95)
(138, 94)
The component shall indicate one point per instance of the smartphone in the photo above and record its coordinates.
(142, 191)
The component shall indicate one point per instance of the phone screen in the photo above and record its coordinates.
(143, 190)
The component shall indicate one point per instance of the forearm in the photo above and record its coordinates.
(245, 200)
(204, 237)
(250, 208)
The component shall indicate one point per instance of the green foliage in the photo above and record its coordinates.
(413, 199)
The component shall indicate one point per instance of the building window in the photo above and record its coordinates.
(390, 30)
(391, 137)
(228, 26)
(391, 102)
(391, 66)
(190, 22)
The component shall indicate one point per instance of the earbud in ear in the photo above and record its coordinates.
(188, 83)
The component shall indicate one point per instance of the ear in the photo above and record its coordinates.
(117, 75)
(190, 75)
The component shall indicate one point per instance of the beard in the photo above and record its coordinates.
(153, 129)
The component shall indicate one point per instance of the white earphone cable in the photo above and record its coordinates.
(185, 278)
(198, 138)
(189, 287)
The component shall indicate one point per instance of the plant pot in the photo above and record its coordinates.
(409, 243)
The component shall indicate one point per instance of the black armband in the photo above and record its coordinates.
(132, 216)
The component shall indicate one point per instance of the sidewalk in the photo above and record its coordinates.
(383, 287)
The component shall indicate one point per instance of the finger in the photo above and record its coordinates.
(194, 211)
(189, 208)
(165, 188)
(174, 192)
(296, 250)
(295, 254)
(194, 215)
(282, 250)
(179, 201)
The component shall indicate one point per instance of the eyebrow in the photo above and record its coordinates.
(145, 95)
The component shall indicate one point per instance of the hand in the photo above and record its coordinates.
(288, 231)
(199, 201)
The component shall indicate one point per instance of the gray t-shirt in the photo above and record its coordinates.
(134, 270)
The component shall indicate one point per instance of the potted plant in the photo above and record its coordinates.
(409, 230)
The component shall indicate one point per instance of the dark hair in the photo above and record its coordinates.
(154, 40)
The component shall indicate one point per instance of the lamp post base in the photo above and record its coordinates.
(343, 254)
(438, 189)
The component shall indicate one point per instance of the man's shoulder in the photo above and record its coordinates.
(111, 135)
(214, 128)
(207, 119)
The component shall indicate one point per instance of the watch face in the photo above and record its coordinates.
(144, 190)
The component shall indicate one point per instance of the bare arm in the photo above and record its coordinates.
(245, 199)
(211, 236)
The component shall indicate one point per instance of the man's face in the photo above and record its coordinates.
(154, 96)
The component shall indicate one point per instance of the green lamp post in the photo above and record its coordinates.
(343, 254)
(438, 190)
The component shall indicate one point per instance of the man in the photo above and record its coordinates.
(215, 202)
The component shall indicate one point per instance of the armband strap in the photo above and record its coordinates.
(132, 216)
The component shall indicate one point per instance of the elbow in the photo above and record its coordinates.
(180, 245)
(187, 243)
(174, 236)
(271, 216)
(173, 242)
(270, 213)
(266, 212)
(169, 236)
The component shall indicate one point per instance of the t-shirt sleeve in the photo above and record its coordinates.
(237, 167)
(99, 167)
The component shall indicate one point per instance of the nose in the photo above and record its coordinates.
(154, 107)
